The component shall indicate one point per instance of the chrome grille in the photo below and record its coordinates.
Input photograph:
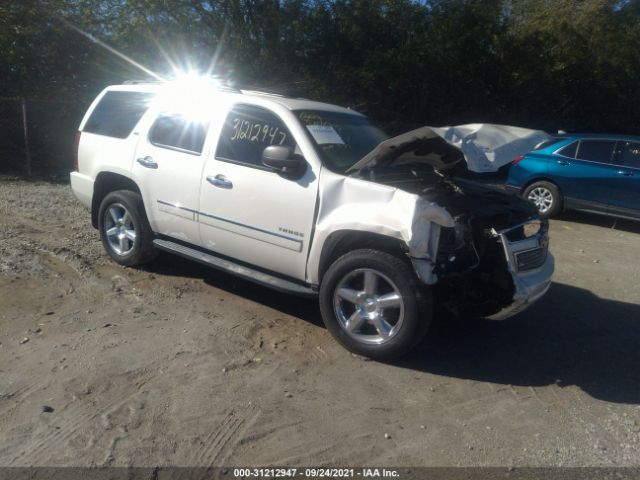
(530, 259)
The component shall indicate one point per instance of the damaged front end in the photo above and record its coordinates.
(494, 261)
(484, 252)
(490, 260)
(489, 269)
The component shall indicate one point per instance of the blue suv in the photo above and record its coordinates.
(595, 173)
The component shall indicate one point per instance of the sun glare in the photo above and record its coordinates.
(190, 94)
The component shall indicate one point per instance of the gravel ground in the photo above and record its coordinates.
(175, 364)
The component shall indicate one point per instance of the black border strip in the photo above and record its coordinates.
(392, 473)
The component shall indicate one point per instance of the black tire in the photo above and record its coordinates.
(417, 304)
(556, 197)
(139, 250)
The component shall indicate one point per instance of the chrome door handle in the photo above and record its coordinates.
(626, 173)
(219, 181)
(147, 162)
(563, 162)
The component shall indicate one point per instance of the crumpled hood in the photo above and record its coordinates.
(485, 147)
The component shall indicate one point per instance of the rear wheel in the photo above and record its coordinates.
(370, 302)
(545, 196)
(124, 229)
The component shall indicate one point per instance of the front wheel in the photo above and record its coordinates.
(371, 303)
(545, 196)
(124, 229)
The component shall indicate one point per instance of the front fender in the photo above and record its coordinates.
(358, 205)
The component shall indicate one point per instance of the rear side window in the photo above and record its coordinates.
(596, 150)
(117, 113)
(247, 131)
(630, 155)
(569, 150)
(178, 133)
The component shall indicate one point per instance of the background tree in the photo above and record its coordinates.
(538, 63)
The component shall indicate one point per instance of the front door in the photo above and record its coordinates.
(625, 188)
(249, 211)
(586, 177)
(168, 167)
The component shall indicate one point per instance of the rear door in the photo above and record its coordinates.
(168, 167)
(584, 172)
(625, 188)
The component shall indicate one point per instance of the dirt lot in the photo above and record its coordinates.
(179, 365)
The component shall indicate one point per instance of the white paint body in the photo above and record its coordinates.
(263, 218)
(244, 222)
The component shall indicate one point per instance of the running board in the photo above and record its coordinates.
(247, 273)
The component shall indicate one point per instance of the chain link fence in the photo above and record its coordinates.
(38, 136)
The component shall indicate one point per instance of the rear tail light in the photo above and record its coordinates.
(76, 147)
(517, 160)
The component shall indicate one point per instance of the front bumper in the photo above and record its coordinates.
(529, 288)
(529, 285)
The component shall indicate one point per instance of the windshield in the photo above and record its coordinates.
(341, 138)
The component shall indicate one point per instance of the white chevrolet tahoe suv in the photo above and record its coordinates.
(303, 197)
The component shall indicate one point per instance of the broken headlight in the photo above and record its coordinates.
(456, 250)
(453, 238)
(531, 228)
(526, 230)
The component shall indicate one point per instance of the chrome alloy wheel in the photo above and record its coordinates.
(542, 198)
(368, 306)
(119, 229)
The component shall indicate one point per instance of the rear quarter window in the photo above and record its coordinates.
(569, 150)
(118, 113)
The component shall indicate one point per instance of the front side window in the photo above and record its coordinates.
(630, 155)
(178, 133)
(340, 138)
(247, 131)
(596, 150)
(117, 113)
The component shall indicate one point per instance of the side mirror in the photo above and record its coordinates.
(281, 159)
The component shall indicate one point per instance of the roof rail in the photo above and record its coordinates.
(261, 92)
(217, 86)
(226, 88)
(139, 82)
